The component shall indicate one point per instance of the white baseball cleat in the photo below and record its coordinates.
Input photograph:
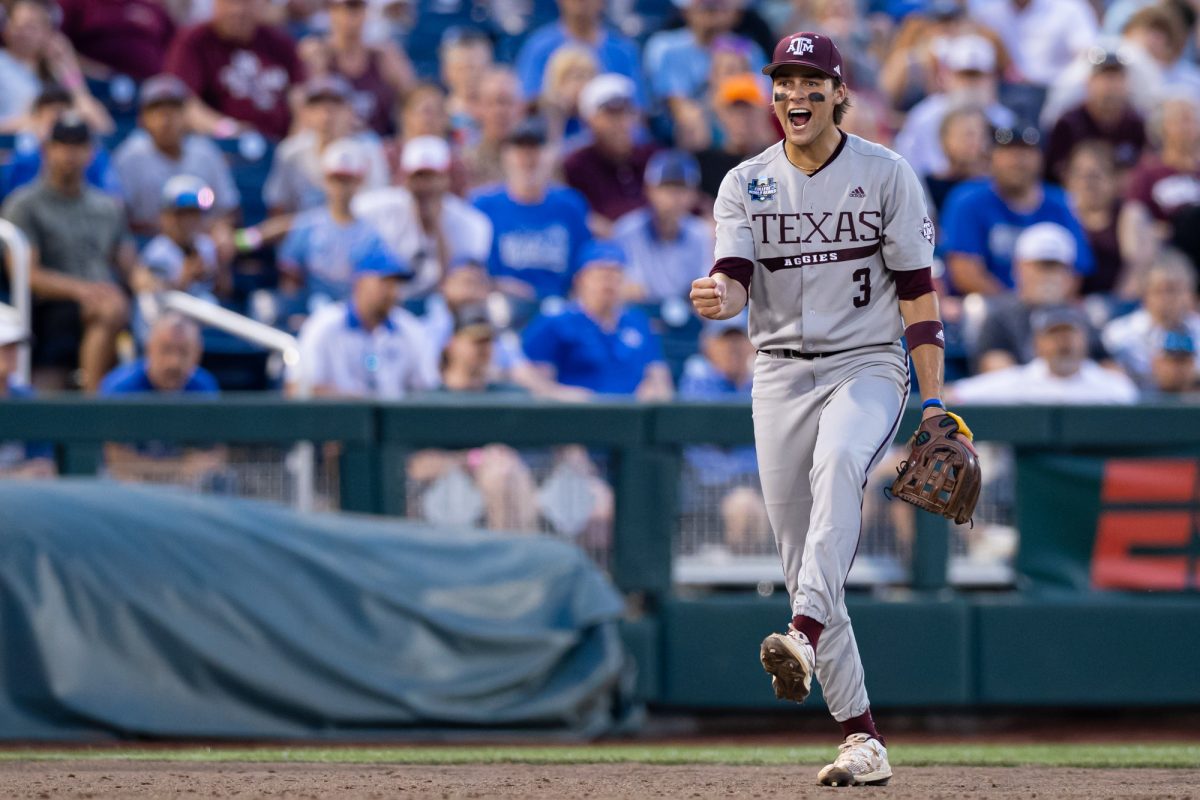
(862, 760)
(789, 659)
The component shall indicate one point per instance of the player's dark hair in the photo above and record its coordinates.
(840, 109)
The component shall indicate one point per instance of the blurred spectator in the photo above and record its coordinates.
(367, 346)
(1163, 183)
(968, 66)
(538, 230)
(506, 490)
(26, 163)
(323, 243)
(1044, 258)
(743, 129)
(966, 138)
(171, 366)
(1169, 304)
(1090, 179)
(1106, 114)
(183, 256)
(982, 219)
(910, 70)
(667, 245)
(679, 62)
(1060, 374)
(580, 22)
(468, 355)
(239, 71)
(162, 148)
(119, 37)
(80, 248)
(424, 112)
(609, 171)
(1173, 364)
(36, 55)
(1161, 33)
(378, 74)
(722, 370)
(19, 459)
(466, 59)
(422, 223)
(1043, 36)
(597, 343)
(497, 111)
(295, 181)
(570, 69)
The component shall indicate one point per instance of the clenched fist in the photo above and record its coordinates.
(717, 297)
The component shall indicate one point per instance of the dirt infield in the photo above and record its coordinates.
(109, 779)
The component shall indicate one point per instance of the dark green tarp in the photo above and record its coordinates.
(142, 611)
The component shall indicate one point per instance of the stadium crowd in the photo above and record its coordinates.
(515, 195)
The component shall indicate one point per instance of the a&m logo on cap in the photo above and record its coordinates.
(800, 45)
(762, 189)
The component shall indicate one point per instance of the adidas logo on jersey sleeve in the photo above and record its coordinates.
(857, 191)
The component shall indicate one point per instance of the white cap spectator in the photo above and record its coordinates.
(605, 90)
(968, 53)
(11, 332)
(345, 157)
(1046, 241)
(425, 153)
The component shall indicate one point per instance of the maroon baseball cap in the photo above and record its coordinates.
(807, 49)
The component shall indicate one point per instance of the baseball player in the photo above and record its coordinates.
(826, 236)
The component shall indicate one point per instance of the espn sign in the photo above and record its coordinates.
(1148, 532)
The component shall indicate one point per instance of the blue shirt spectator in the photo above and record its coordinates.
(536, 243)
(678, 64)
(583, 353)
(582, 26)
(537, 230)
(978, 222)
(133, 378)
(596, 343)
(322, 251)
(981, 219)
(668, 246)
(721, 371)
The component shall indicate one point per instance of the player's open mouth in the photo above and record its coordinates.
(798, 118)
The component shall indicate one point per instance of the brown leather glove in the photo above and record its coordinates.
(941, 474)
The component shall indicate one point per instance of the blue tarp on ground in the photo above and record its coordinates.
(142, 611)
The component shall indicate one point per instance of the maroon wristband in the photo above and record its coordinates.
(740, 269)
(927, 332)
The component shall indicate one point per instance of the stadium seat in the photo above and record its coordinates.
(249, 157)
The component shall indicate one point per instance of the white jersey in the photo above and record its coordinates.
(824, 245)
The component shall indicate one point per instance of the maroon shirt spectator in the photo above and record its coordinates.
(239, 70)
(1106, 114)
(1163, 188)
(609, 171)
(130, 37)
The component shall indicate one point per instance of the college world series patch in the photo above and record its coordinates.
(927, 229)
(762, 189)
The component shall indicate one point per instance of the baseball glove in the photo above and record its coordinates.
(941, 474)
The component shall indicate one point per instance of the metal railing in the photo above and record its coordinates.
(17, 247)
(301, 459)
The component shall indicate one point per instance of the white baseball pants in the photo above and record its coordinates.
(820, 427)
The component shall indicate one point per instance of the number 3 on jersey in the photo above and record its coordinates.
(863, 278)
